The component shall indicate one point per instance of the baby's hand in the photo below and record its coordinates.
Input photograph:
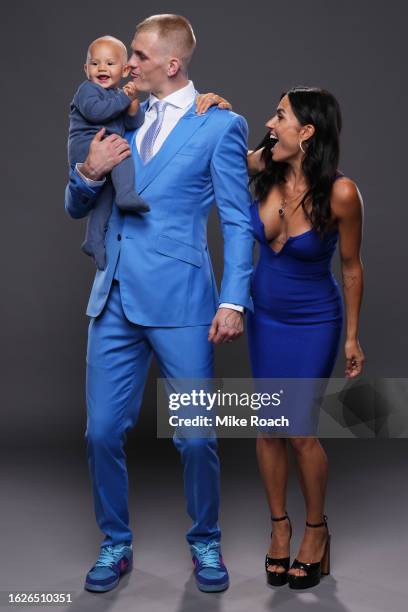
(131, 90)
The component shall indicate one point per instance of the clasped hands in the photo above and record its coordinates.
(226, 326)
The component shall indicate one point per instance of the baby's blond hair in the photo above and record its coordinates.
(112, 40)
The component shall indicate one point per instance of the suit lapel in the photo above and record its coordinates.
(180, 134)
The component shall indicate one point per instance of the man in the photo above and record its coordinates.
(157, 295)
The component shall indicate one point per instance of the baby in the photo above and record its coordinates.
(98, 103)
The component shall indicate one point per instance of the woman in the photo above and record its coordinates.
(304, 206)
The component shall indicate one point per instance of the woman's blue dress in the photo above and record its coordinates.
(295, 329)
(296, 325)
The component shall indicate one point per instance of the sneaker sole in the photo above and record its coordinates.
(212, 588)
(101, 588)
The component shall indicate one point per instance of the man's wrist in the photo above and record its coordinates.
(89, 172)
(88, 181)
(236, 307)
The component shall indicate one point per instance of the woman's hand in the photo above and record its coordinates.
(204, 101)
(254, 161)
(354, 358)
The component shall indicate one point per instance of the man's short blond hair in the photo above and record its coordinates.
(176, 30)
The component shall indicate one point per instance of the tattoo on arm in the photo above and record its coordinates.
(349, 280)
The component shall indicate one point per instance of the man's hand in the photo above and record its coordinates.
(131, 90)
(104, 155)
(226, 326)
(204, 101)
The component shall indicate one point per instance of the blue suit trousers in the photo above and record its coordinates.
(118, 358)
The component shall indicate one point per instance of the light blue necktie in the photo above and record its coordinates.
(148, 140)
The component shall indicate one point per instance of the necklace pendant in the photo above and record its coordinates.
(281, 212)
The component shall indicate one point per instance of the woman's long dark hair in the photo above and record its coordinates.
(321, 109)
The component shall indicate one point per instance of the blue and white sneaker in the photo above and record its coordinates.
(112, 563)
(209, 569)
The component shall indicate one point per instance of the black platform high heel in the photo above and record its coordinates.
(314, 571)
(278, 578)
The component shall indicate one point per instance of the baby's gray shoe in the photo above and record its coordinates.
(97, 251)
(131, 202)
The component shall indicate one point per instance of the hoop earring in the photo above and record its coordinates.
(300, 146)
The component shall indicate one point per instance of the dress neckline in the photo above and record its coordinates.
(289, 238)
(296, 236)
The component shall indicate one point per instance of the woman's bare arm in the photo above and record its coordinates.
(347, 208)
(255, 163)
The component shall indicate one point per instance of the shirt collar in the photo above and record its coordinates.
(180, 99)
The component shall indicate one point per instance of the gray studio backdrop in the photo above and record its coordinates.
(248, 52)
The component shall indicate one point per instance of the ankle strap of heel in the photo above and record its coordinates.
(282, 518)
(322, 524)
(279, 518)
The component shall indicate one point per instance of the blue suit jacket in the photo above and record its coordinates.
(165, 271)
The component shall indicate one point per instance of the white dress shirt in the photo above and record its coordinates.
(178, 104)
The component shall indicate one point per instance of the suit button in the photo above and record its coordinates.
(119, 237)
